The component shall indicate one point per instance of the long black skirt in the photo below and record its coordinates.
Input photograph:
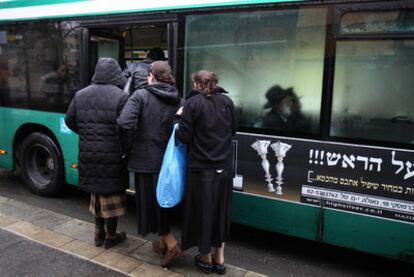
(207, 204)
(151, 218)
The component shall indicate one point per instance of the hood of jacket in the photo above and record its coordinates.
(107, 71)
(165, 92)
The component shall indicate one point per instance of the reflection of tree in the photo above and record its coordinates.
(4, 78)
(42, 52)
(26, 49)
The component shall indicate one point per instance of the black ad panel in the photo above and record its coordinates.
(355, 178)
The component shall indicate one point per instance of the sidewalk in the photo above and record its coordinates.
(23, 257)
(71, 240)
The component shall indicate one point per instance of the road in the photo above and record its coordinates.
(260, 251)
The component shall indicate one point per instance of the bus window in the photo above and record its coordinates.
(39, 64)
(377, 22)
(372, 94)
(270, 62)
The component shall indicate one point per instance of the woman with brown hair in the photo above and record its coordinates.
(207, 125)
(145, 125)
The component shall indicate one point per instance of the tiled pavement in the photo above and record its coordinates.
(134, 257)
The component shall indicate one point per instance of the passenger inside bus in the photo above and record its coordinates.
(280, 104)
(134, 47)
(285, 112)
(137, 72)
(55, 86)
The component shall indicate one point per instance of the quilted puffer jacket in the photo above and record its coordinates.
(145, 125)
(93, 115)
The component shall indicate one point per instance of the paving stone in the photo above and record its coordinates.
(129, 245)
(20, 210)
(116, 260)
(145, 253)
(49, 220)
(51, 238)
(6, 220)
(38, 216)
(235, 271)
(149, 270)
(3, 199)
(77, 229)
(83, 249)
(253, 274)
(108, 257)
(126, 264)
(24, 228)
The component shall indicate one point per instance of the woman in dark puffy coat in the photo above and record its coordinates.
(207, 125)
(146, 124)
(102, 171)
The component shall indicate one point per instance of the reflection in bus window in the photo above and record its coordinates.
(39, 65)
(394, 21)
(372, 97)
(253, 52)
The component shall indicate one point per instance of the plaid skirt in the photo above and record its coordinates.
(108, 205)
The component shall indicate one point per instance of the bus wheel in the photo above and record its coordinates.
(41, 164)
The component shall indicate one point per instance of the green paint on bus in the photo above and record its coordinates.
(12, 120)
(353, 231)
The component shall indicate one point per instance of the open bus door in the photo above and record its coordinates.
(104, 43)
(127, 44)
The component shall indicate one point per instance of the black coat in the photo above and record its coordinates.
(138, 71)
(208, 125)
(93, 114)
(146, 124)
(274, 120)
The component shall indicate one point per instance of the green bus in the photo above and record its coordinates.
(323, 92)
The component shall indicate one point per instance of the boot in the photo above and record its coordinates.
(112, 237)
(99, 231)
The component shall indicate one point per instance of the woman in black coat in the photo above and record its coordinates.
(102, 171)
(207, 125)
(146, 124)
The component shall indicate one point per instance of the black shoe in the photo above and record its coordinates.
(110, 242)
(220, 268)
(203, 266)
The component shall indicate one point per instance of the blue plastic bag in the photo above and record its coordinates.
(171, 180)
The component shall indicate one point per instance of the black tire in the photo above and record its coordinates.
(41, 164)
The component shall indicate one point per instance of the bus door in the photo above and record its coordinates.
(104, 43)
(130, 44)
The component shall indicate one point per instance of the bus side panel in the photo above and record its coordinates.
(272, 215)
(370, 234)
(13, 119)
(6, 160)
(364, 233)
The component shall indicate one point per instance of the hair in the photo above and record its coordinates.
(162, 72)
(206, 80)
(156, 54)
